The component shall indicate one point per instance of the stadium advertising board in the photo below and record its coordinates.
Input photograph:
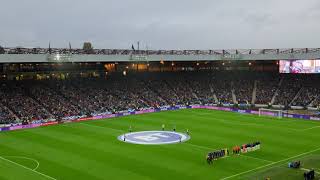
(300, 116)
(144, 111)
(23, 126)
(104, 116)
(299, 66)
(49, 123)
(5, 129)
(83, 119)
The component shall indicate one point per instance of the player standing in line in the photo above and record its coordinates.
(174, 128)
(130, 129)
(163, 126)
(188, 132)
(124, 137)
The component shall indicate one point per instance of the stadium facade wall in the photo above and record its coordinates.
(39, 123)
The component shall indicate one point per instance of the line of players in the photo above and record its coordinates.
(246, 148)
(216, 155)
(235, 150)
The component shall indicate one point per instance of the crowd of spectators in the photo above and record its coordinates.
(310, 92)
(53, 101)
(288, 89)
(243, 90)
(15, 97)
(46, 99)
(266, 89)
(6, 116)
(306, 97)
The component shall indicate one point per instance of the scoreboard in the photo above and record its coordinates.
(299, 66)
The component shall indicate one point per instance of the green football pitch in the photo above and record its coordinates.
(90, 150)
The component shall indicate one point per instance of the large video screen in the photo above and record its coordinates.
(299, 66)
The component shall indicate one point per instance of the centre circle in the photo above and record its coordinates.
(154, 137)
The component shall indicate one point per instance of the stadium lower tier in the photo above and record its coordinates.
(31, 100)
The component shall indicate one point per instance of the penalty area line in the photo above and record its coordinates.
(310, 128)
(37, 172)
(24, 157)
(251, 157)
(201, 147)
(270, 164)
(305, 169)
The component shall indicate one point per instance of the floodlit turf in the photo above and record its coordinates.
(90, 150)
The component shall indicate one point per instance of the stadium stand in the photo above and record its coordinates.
(44, 99)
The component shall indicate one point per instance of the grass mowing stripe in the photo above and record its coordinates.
(17, 164)
(89, 155)
(222, 133)
(194, 145)
(267, 165)
(91, 150)
(116, 152)
(102, 127)
(198, 146)
(242, 122)
(65, 165)
(203, 147)
(266, 120)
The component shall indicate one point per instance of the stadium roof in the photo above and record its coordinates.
(20, 54)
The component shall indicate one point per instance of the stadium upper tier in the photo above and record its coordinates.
(79, 55)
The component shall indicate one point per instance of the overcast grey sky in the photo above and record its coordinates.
(165, 24)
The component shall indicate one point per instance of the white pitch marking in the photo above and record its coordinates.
(148, 137)
(202, 147)
(23, 157)
(256, 158)
(260, 167)
(304, 169)
(310, 128)
(17, 164)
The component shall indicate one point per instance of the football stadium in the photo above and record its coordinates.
(155, 114)
(84, 95)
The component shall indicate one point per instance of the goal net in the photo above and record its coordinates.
(270, 112)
